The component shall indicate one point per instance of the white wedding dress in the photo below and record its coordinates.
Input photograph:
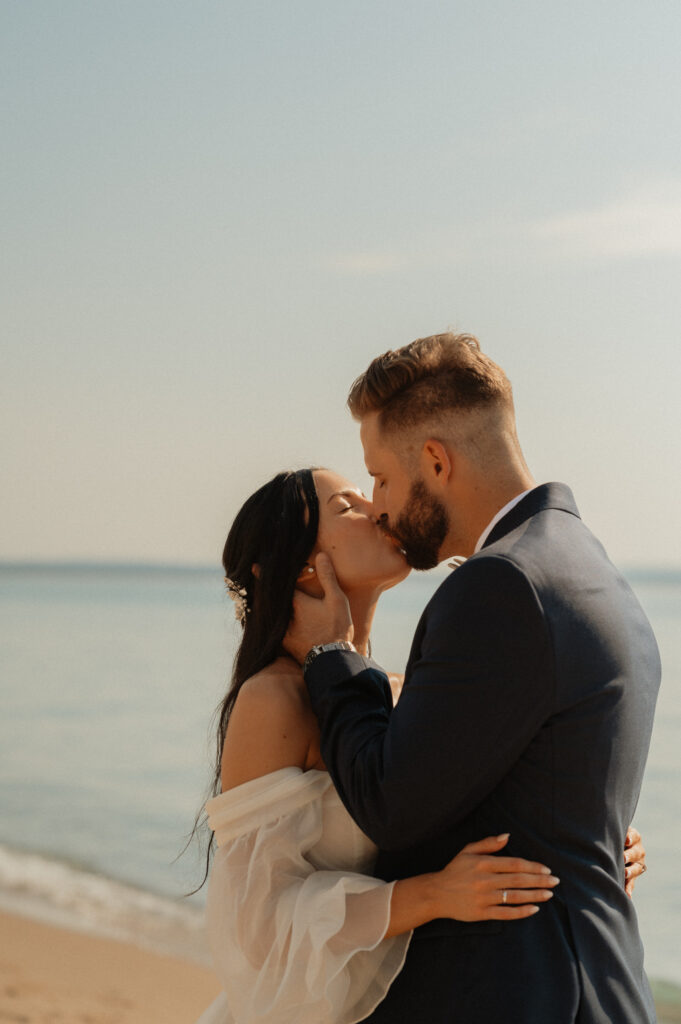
(295, 921)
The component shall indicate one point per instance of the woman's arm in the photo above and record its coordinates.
(471, 888)
(285, 933)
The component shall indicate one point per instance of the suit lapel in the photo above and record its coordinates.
(554, 495)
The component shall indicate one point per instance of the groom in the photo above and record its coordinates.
(527, 705)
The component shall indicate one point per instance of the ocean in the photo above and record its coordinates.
(110, 677)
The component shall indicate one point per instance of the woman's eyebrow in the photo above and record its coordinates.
(347, 493)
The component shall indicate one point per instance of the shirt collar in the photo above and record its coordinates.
(500, 515)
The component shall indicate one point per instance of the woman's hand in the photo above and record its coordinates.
(477, 886)
(634, 859)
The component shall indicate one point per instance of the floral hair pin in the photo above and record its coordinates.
(239, 597)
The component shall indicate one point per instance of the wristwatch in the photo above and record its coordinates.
(337, 645)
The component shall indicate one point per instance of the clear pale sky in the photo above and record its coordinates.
(215, 214)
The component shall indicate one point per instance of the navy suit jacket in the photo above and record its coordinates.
(527, 708)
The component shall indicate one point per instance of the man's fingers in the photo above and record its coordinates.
(326, 575)
(301, 601)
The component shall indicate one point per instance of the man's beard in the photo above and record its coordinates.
(421, 527)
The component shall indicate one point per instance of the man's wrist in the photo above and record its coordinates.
(336, 645)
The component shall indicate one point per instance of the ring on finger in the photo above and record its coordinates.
(504, 895)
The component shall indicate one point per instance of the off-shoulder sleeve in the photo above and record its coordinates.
(291, 943)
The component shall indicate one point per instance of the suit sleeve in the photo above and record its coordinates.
(480, 689)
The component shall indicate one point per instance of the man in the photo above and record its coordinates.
(527, 705)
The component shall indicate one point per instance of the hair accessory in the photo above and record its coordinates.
(238, 595)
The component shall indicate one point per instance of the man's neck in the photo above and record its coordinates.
(483, 506)
(503, 511)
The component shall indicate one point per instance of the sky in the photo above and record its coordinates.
(214, 215)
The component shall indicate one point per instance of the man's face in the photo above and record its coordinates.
(403, 505)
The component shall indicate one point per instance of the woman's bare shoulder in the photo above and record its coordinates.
(279, 686)
(271, 725)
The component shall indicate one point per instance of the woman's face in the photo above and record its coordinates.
(363, 557)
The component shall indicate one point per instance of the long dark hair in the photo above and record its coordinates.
(266, 549)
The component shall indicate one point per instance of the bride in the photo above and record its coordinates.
(298, 928)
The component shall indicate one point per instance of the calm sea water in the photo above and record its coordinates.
(109, 680)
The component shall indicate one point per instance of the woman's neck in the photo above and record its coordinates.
(362, 608)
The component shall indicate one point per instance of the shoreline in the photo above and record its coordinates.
(54, 973)
(55, 892)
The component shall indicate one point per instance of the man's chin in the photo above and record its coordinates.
(421, 560)
(417, 556)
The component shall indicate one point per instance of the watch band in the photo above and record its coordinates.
(337, 645)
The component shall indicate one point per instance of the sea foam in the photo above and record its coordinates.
(61, 894)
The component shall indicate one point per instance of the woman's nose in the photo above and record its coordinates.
(368, 509)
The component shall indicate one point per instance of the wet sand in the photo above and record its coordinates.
(51, 975)
(48, 974)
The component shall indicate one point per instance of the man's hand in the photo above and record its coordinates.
(319, 620)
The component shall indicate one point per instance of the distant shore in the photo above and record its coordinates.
(635, 573)
(667, 1001)
(49, 973)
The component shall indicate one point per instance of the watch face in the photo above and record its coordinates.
(336, 645)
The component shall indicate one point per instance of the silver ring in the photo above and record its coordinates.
(504, 895)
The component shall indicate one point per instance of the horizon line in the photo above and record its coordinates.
(644, 569)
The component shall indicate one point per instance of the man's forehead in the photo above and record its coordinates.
(369, 432)
(379, 454)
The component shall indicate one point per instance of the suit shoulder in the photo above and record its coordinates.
(488, 594)
(483, 574)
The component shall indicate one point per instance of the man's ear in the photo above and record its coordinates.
(436, 464)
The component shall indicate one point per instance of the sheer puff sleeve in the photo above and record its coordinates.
(293, 935)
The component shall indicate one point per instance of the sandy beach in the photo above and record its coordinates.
(52, 975)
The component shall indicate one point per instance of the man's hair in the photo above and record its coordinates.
(441, 374)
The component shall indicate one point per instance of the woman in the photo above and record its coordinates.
(298, 928)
